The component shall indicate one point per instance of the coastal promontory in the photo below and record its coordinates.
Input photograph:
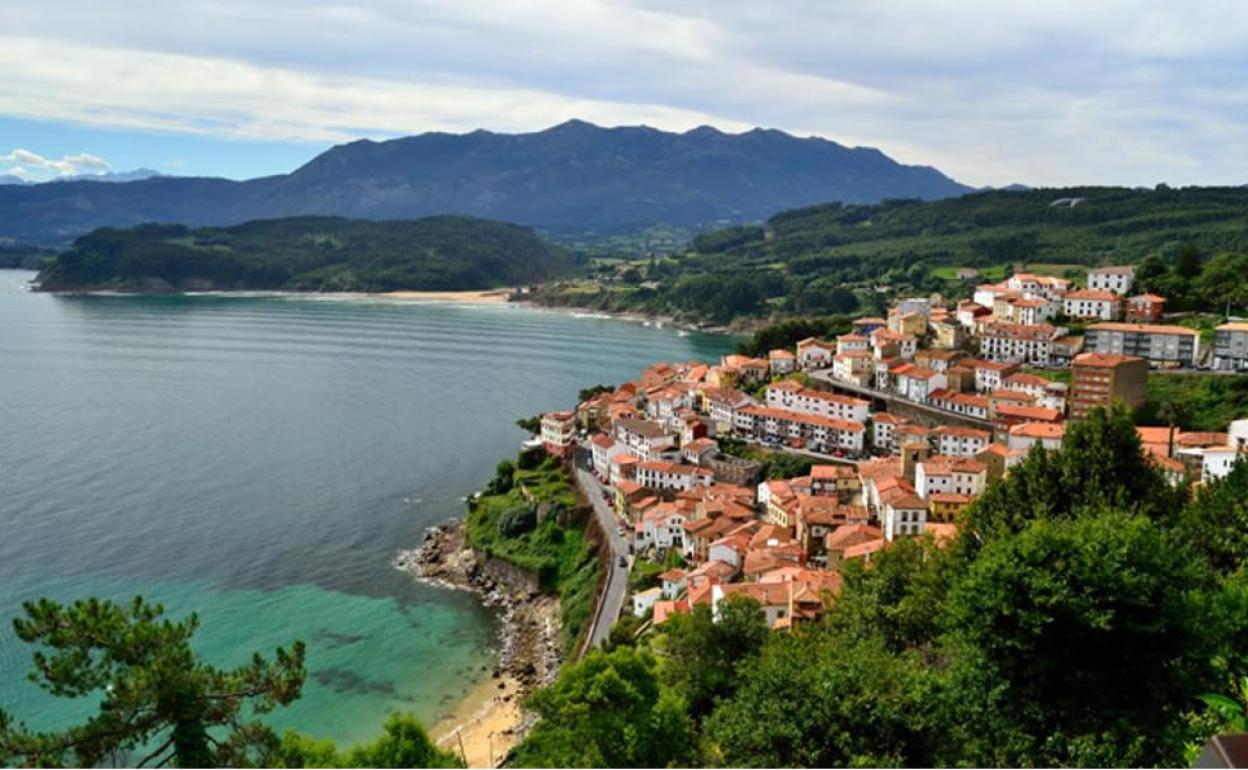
(441, 253)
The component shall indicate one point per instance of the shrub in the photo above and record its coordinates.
(517, 521)
(531, 458)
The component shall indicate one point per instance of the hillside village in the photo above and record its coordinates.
(903, 422)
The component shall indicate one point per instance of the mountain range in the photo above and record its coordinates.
(573, 178)
(108, 176)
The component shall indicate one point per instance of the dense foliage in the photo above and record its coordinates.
(309, 253)
(403, 743)
(1208, 402)
(1190, 244)
(158, 703)
(1079, 618)
(610, 710)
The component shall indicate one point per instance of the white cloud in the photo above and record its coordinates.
(33, 166)
(137, 89)
(1038, 91)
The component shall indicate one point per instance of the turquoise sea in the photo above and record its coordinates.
(261, 461)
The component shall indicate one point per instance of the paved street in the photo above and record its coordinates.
(612, 600)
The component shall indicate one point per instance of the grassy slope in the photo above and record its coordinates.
(564, 557)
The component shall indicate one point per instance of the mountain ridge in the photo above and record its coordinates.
(574, 177)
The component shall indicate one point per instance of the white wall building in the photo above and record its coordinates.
(1118, 279)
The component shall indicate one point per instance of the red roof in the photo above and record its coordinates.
(1114, 326)
(1030, 413)
(1103, 360)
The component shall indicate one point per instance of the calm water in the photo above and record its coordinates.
(261, 461)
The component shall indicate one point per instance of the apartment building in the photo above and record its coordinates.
(1174, 345)
(1100, 379)
(1017, 343)
(1230, 346)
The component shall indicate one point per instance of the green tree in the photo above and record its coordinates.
(1101, 464)
(504, 478)
(1215, 521)
(159, 703)
(705, 657)
(585, 394)
(608, 710)
(1221, 284)
(404, 743)
(1088, 638)
(821, 701)
(1150, 272)
(899, 599)
(1188, 263)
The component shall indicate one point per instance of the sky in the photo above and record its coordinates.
(992, 93)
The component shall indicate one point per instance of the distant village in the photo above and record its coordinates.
(906, 419)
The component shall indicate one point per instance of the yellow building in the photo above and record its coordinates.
(946, 506)
(949, 336)
(908, 323)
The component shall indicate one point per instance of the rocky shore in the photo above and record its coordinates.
(491, 720)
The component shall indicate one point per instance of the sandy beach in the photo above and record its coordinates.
(486, 723)
(484, 297)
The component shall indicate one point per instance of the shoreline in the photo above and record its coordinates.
(745, 329)
(473, 296)
(489, 720)
(498, 296)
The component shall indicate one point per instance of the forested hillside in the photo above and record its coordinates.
(309, 253)
(832, 258)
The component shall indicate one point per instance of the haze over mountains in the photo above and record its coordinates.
(108, 176)
(574, 178)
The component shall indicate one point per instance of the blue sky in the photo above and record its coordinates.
(1045, 93)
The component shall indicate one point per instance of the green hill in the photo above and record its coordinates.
(832, 258)
(308, 253)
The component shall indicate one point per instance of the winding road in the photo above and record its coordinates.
(611, 602)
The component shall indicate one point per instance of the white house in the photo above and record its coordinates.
(1092, 303)
(1025, 435)
(884, 431)
(792, 396)
(674, 581)
(960, 475)
(1118, 279)
(814, 353)
(956, 441)
(1033, 385)
(660, 475)
(916, 383)
(1018, 343)
(643, 601)
(902, 514)
(663, 526)
(781, 361)
(644, 439)
(604, 448)
(847, 342)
